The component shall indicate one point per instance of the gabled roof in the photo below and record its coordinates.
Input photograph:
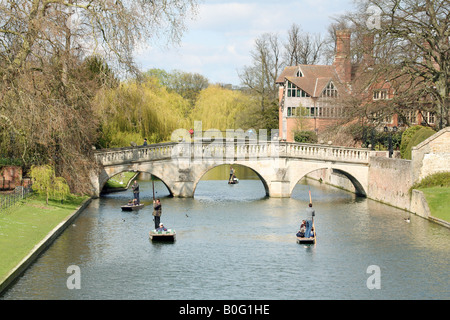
(315, 78)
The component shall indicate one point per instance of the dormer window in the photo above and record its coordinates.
(299, 73)
(294, 91)
(330, 91)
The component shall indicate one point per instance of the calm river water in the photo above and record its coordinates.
(234, 243)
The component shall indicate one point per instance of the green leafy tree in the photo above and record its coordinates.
(137, 110)
(46, 183)
(60, 189)
(219, 108)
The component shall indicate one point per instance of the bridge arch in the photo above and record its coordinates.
(279, 165)
(104, 177)
(205, 170)
(359, 189)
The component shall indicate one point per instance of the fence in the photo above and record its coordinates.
(10, 199)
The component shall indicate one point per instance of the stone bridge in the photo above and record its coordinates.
(279, 165)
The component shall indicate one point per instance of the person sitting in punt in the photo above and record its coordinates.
(135, 202)
(302, 231)
(161, 227)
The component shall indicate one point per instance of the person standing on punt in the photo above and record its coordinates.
(232, 171)
(157, 210)
(135, 188)
(310, 213)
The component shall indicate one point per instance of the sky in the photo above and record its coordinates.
(219, 39)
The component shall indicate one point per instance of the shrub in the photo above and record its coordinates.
(421, 135)
(305, 137)
(440, 179)
(406, 137)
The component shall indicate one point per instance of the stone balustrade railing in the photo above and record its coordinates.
(226, 150)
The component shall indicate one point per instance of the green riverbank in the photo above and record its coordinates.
(24, 225)
(438, 199)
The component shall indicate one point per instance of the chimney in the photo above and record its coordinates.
(342, 58)
(428, 56)
(368, 45)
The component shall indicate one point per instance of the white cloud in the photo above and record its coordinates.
(218, 42)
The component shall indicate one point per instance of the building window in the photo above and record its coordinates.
(292, 111)
(379, 94)
(299, 73)
(411, 117)
(329, 112)
(294, 91)
(429, 117)
(379, 116)
(300, 112)
(330, 91)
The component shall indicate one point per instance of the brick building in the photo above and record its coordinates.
(308, 93)
(10, 177)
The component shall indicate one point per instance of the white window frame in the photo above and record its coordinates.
(429, 117)
(380, 94)
(330, 91)
(292, 91)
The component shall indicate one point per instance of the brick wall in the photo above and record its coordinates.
(10, 177)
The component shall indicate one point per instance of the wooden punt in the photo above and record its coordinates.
(310, 240)
(169, 235)
(131, 207)
(234, 181)
(306, 240)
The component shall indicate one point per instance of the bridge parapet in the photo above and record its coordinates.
(153, 152)
(324, 152)
(222, 150)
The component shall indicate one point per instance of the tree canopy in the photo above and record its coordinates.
(55, 55)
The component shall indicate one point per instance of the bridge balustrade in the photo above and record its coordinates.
(226, 150)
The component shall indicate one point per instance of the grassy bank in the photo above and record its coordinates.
(23, 226)
(438, 199)
(120, 181)
(436, 189)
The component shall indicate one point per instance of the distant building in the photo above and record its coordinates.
(308, 93)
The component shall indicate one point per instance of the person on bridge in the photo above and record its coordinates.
(145, 142)
(157, 211)
(135, 188)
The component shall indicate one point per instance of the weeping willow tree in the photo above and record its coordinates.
(137, 110)
(46, 183)
(220, 108)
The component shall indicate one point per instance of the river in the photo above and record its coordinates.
(235, 243)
